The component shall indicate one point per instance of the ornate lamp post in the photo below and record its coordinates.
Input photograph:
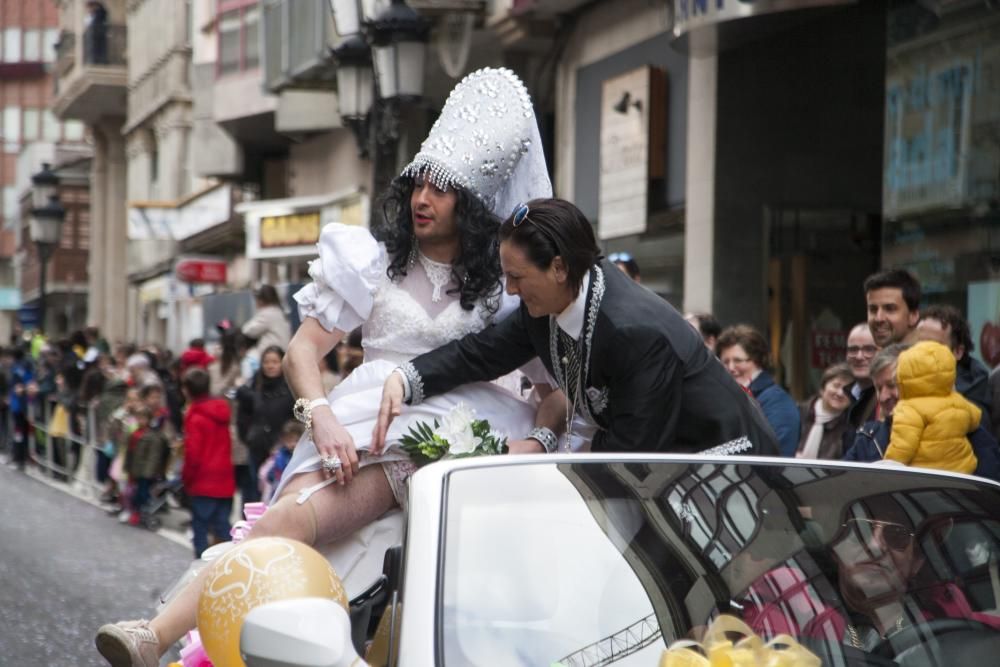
(45, 226)
(397, 39)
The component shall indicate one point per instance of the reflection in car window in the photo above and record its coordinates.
(596, 563)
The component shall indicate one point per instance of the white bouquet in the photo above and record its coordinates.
(457, 435)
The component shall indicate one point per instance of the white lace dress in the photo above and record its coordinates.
(399, 320)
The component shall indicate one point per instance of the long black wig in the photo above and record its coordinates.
(477, 267)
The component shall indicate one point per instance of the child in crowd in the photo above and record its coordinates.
(153, 397)
(931, 420)
(270, 471)
(121, 424)
(143, 461)
(195, 356)
(207, 470)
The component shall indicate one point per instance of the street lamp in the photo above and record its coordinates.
(355, 87)
(399, 42)
(45, 226)
(395, 60)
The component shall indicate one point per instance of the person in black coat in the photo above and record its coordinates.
(264, 404)
(624, 358)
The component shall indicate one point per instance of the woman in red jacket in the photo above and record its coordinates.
(208, 471)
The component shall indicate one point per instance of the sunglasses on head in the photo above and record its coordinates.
(520, 214)
(620, 257)
(893, 535)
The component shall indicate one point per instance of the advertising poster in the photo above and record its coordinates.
(984, 321)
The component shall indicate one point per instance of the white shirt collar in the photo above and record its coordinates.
(571, 319)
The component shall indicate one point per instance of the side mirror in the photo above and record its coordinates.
(305, 632)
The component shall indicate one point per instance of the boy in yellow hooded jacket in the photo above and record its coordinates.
(931, 420)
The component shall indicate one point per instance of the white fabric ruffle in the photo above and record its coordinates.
(350, 266)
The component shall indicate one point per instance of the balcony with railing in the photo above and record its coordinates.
(91, 74)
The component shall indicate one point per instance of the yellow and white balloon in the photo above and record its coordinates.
(253, 573)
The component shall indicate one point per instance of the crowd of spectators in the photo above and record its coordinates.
(851, 414)
(159, 424)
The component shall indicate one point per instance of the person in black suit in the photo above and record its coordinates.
(624, 358)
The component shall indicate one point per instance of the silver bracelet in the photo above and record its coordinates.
(546, 437)
(303, 407)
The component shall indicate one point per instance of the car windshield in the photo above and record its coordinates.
(601, 563)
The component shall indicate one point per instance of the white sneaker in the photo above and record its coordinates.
(128, 644)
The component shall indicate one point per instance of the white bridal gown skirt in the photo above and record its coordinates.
(356, 400)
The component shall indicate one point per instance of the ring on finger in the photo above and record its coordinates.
(331, 463)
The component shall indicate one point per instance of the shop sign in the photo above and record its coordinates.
(941, 110)
(297, 229)
(829, 347)
(284, 228)
(200, 270)
(633, 149)
(693, 14)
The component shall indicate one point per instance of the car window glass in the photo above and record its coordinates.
(568, 564)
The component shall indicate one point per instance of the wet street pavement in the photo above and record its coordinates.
(67, 567)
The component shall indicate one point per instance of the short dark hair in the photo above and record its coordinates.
(838, 370)
(267, 295)
(751, 340)
(554, 228)
(950, 317)
(197, 343)
(708, 325)
(148, 389)
(293, 427)
(196, 382)
(900, 279)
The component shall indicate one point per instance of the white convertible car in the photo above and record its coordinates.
(598, 559)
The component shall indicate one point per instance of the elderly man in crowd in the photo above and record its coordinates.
(872, 439)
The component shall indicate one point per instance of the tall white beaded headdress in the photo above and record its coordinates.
(486, 140)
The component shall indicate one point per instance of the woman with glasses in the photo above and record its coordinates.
(744, 352)
(824, 416)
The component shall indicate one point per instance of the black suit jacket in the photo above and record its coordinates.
(651, 384)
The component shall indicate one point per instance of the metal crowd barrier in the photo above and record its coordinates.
(82, 474)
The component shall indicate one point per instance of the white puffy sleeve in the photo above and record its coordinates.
(350, 265)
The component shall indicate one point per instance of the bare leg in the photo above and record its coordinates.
(331, 514)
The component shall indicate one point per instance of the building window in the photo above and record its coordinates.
(11, 128)
(73, 130)
(32, 122)
(50, 126)
(239, 48)
(49, 45)
(12, 45)
(9, 203)
(33, 46)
